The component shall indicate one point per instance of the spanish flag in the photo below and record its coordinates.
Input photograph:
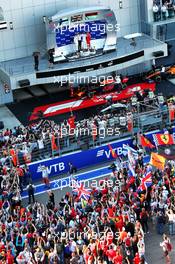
(145, 142)
(157, 161)
(113, 153)
(53, 143)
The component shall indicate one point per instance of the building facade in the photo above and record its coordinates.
(24, 30)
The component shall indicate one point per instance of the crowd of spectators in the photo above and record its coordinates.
(163, 9)
(108, 228)
(35, 141)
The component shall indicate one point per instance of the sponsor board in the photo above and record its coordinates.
(82, 159)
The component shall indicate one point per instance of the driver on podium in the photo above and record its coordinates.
(88, 40)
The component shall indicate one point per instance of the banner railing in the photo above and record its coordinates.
(116, 128)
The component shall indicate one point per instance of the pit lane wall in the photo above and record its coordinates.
(83, 159)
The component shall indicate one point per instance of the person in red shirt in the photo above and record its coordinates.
(137, 259)
(20, 173)
(118, 259)
(88, 40)
(119, 224)
(71, 121)
(111, 253)
(9, 258)
(110, 212)
(73, 213)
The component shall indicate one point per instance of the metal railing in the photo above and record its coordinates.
(84, 139)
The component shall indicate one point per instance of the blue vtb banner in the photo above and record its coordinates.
(83, 159)
(80, 159)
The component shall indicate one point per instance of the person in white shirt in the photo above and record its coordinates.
(40, 144)
(118, 83)
(162, 69)
(45, 175)
(40, 147)
(166, 250)
(164, 194)
(72, 223)
(73, 245)
(122, 120)
(79, 42)
(164, 12)
(171, 221)
(155, 12)
(118, 79)
(141, 247)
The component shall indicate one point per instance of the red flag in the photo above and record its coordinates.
(71, 122)
(53, 143)
(163, 139)
(14, 157)
(145, 142)
(113, 153)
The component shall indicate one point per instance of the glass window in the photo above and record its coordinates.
(91, 16)
(1, 14)
(76, 18)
